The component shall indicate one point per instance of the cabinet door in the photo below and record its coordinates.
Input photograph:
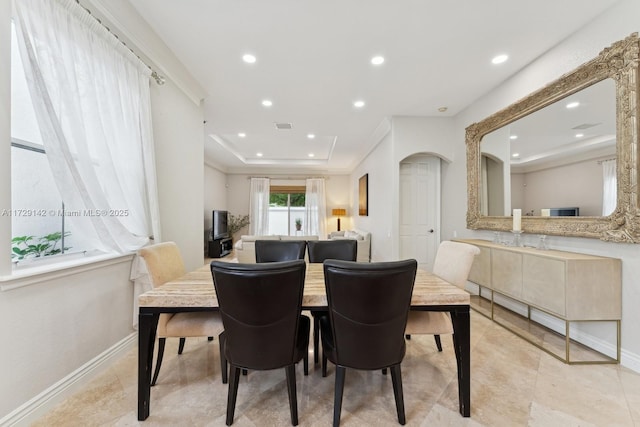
(544, 283)
(506, 269)
(481, 268)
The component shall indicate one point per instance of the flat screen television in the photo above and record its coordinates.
(220, 225)
(564, 211)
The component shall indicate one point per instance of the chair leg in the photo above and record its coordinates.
(438, 342)
(339, 389)
(324, 365)
(233, 393)
(291, 389)
(209, 338)
(316, 339)
(161, 342)
(408, 336)
(181, 346)
(223, 359)
(384, 371)
(245, 372)
(305, 363)
(396, 378)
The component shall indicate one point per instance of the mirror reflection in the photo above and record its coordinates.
(557, 161)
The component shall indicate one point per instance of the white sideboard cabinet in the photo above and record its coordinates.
(569, 286)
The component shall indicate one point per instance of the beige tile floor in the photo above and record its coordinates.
(512, 384)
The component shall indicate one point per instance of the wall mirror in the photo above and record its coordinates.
(565, 155)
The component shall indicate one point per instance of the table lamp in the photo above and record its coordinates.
(338, 213)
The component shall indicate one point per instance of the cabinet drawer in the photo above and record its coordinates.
(544, 283)
(506, 268)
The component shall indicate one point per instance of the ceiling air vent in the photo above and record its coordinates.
(283, 126)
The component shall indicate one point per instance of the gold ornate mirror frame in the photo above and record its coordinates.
(619, 62)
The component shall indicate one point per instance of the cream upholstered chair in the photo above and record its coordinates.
(164, 263)
(453, 263)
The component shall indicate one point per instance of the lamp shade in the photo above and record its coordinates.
(338, 212)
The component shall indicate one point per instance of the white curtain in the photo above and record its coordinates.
(92, 103)
(315, 208)
(609, 190)
(259, 207)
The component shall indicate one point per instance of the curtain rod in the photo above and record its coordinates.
(605, 160)
(157, 77)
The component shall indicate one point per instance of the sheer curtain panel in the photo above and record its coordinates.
(92, 103)
(315, 208)
(259, 206)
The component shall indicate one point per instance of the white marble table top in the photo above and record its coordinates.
(195, 289)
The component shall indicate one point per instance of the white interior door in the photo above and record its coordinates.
(420, 209)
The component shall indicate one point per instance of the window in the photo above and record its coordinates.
(38, 224)
(286, 210)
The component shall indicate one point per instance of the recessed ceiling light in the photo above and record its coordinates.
(242, 134)
(311, 155)
(573, 104)
(248, 58)
(310, 136)
(377, 60)
(579, 135)
(259, 154)
(513, 137)
(442, 109)
(515, 155)
(358, 104)
(267, 103)
(499, 59)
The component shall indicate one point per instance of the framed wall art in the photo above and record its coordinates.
(363, 195)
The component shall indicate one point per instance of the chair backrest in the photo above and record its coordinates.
(279, 250)
(453, 262)
(164, 262)
(368, 306)
(260, 306)
(343, 249)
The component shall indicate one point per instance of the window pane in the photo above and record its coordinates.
(35, 202)
(285, 211)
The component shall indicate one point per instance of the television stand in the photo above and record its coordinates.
(219, 248)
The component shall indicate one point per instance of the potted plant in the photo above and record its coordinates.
(298, 224)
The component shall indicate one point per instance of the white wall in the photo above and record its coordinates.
(617, 23)
(178, 137)
(382, 198)
(215, 197)
(584, 189)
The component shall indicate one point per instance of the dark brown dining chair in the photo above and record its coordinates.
(260, 306)
(279, 250)
(319, 251)
(368, 309)
(342, 249)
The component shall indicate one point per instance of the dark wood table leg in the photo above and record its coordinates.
(462, 345)
(147, 324)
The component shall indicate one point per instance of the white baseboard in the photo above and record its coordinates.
(41, 404)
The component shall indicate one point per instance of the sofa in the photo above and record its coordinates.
(245, 248)
(363, 238)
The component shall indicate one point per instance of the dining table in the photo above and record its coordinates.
(195, 292)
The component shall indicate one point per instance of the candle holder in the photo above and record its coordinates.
(517, 240)
(542, 243)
